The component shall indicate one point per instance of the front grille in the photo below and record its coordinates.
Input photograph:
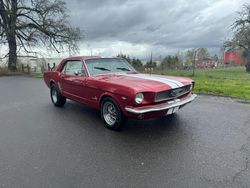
(171, 94)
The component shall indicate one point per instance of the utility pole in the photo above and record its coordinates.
(161, 63)
(195, 50)
(151, 64)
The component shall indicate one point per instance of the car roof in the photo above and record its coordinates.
(81, 57)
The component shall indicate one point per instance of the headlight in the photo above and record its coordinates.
(139, 98)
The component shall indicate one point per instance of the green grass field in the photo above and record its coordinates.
(232, 82)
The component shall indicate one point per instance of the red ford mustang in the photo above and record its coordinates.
(117, 89)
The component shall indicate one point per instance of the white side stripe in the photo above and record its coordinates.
(172, 83)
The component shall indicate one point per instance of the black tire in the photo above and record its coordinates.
(114, 120)
(57, 99)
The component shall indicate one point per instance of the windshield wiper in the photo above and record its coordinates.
(101, 68)
(123, 69)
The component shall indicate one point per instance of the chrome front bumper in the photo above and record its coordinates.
(166, 106)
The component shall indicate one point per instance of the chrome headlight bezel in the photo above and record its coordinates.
(191, 87)
(139, 97)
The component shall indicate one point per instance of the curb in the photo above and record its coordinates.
(237, 99)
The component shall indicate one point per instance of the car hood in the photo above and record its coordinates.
(144, 82)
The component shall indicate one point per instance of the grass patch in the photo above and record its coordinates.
(232, 82)
(37, 75)
(4, 71)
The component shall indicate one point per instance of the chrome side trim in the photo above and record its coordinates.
(168, 105)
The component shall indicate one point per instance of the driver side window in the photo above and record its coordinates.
(73, 68)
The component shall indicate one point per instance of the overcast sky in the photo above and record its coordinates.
(137, 27)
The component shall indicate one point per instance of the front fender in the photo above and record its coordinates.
(121, 100)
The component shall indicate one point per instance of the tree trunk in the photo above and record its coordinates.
(11, 36)
(248, 67)
(248, 60)
(12, 53)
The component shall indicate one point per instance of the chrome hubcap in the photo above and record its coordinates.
(54, 95)
(109, 113)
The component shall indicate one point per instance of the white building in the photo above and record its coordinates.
(34, 62)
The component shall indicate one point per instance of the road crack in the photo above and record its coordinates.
(238, 174)
(244, 150)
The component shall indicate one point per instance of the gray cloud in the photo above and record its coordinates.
(164, 24)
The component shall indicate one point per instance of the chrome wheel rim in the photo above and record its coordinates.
(54, 95)
(109, 113)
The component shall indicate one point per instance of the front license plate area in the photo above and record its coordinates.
(172, 110)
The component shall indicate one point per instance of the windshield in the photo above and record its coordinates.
(103, 66)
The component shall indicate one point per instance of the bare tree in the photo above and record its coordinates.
(28, 23)
(202, 53)
(189, 57)
(241, 39)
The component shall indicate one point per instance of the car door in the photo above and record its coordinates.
(73, 80)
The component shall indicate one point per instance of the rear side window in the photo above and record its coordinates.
(73, 67)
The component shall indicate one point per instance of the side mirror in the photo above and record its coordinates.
(76, 73)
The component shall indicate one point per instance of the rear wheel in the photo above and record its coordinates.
(56, 98)
(112, 115)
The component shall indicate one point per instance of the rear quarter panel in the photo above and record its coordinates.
(51, 76)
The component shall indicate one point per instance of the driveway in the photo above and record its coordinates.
(206, 144)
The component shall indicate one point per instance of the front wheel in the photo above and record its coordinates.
(56, 98)
(112, 115)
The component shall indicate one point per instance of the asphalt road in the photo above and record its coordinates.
(206, 144)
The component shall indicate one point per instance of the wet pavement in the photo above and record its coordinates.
(206, 144)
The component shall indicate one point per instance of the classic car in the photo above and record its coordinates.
(114, 87)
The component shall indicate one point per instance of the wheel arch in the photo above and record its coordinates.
(51, 82)
(112, 96)
(121, 117)
(57, 85)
